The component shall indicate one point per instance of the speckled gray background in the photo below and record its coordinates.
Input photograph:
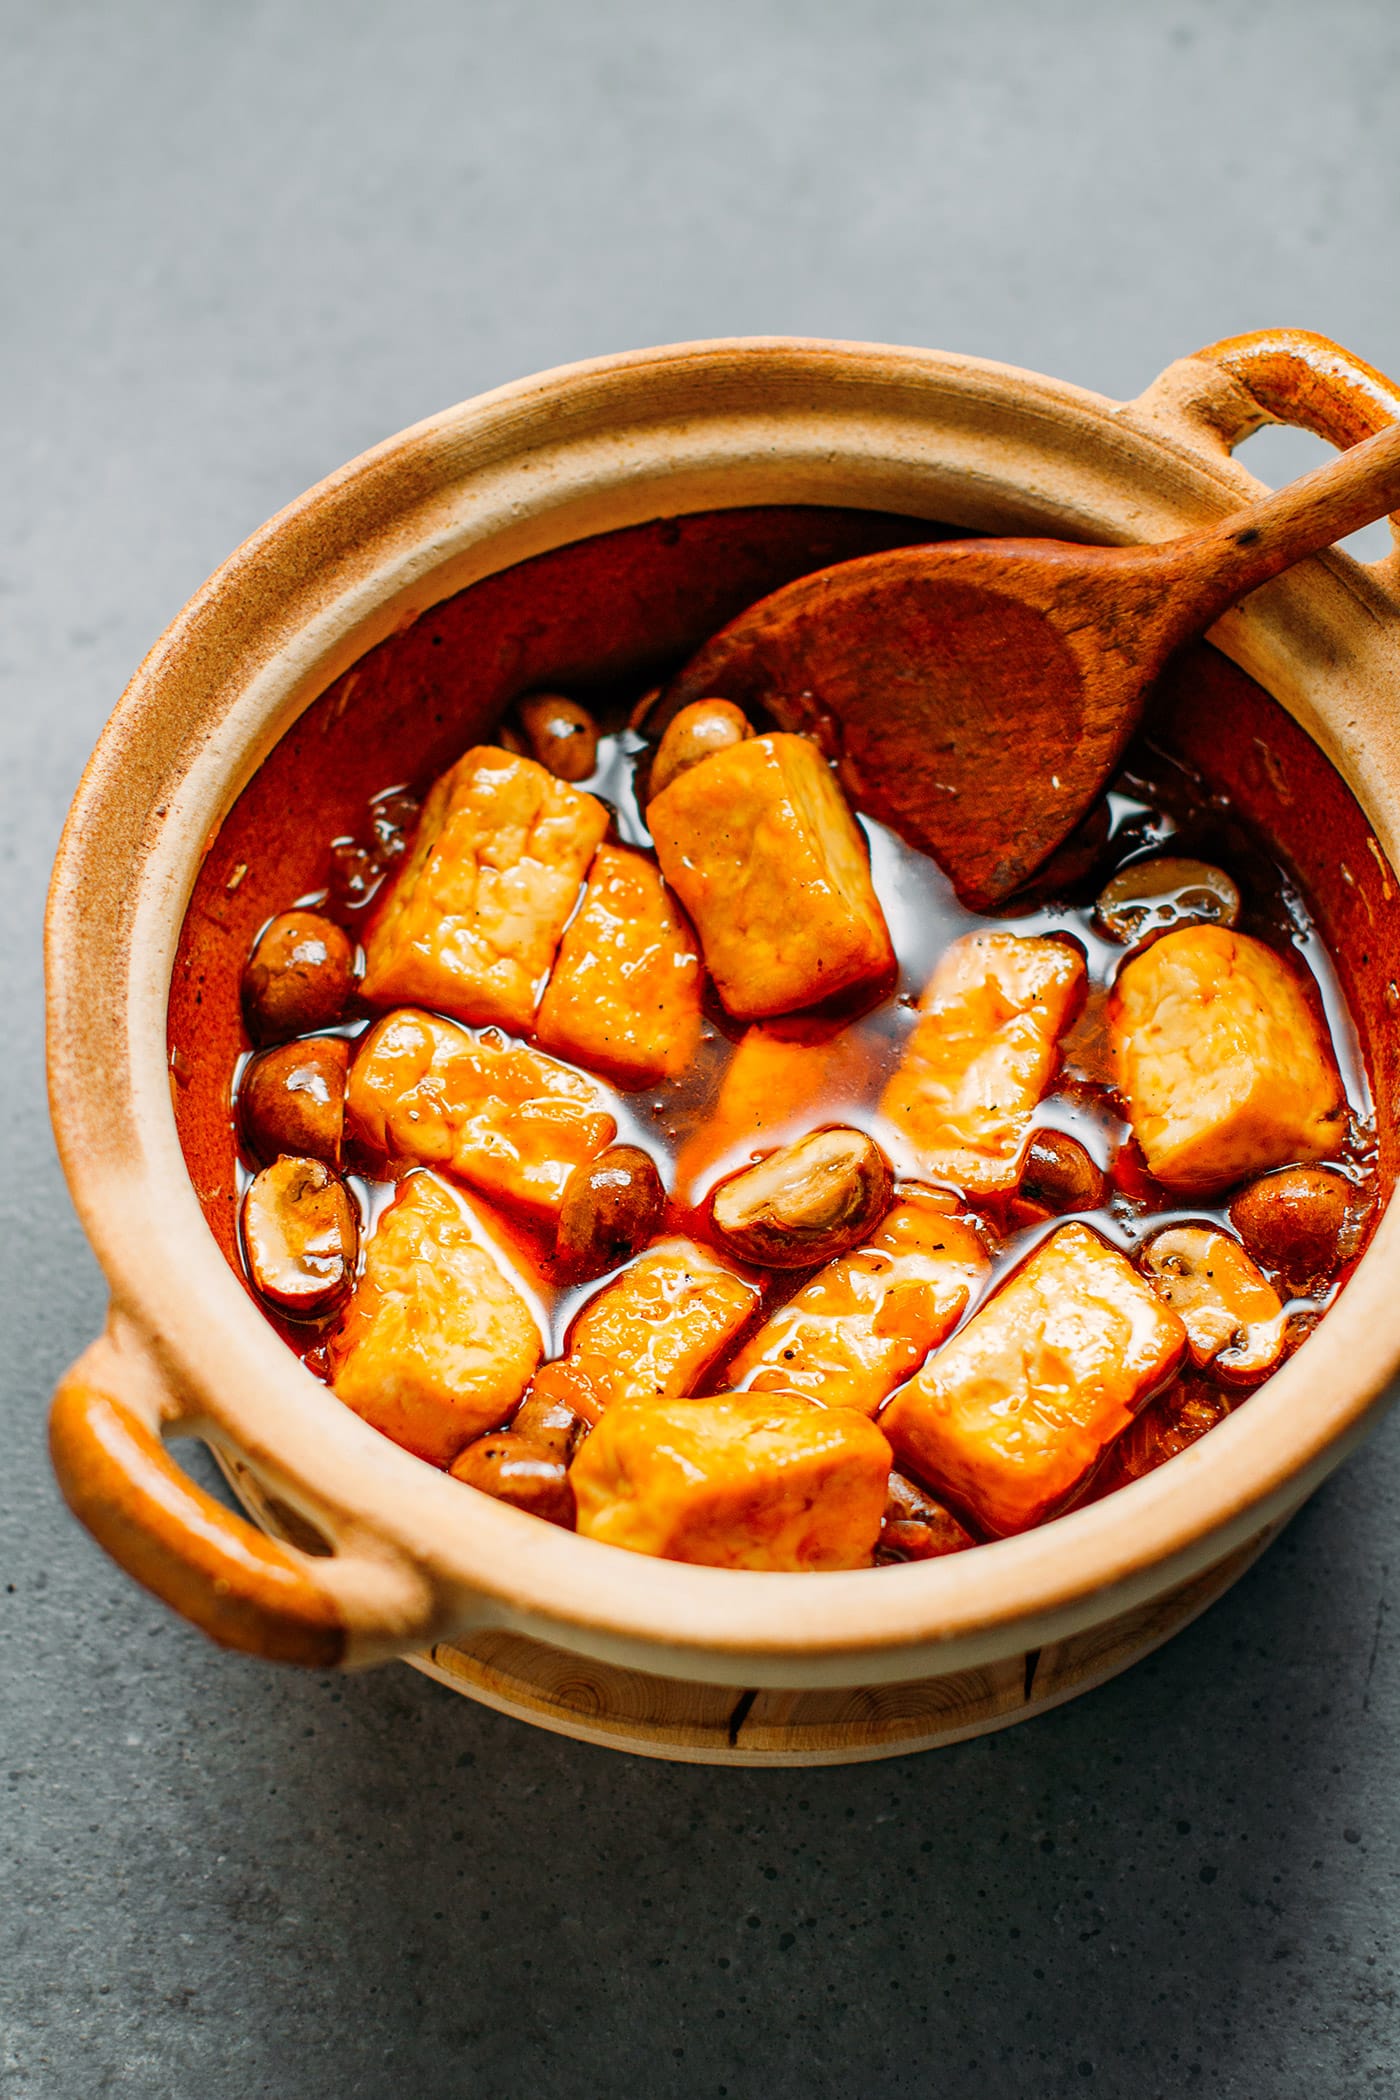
(238, 243)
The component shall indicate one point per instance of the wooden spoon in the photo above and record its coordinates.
(978, 694)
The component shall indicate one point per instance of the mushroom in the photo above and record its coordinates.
(1155, 896)
(301, 1233)
(1295, 1222)
(697, 732)
(298, 977)
(292, 1099)
(549, 1422)
(917, 1526)
(528, 1476)
(1060, 1174)
(1234, 1319)
(805, 1203)
(612, 1206)
(562, 734)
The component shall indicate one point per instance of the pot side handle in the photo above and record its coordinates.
(241, 1587)
(1282, 375)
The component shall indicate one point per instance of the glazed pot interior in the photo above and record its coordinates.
(606, 617)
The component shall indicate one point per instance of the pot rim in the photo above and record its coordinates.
(583, 449)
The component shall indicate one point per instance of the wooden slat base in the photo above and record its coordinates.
(716, 1724)
(711, 1724)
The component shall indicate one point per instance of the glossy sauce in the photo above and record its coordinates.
(1155, 806)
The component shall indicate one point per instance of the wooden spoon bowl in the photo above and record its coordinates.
(978, 695)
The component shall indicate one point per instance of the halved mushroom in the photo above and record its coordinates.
(1234, 1319)
(807, 1202)
(1154, 896)
(301, 1232)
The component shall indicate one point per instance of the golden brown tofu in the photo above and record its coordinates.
(1014, 1413)
(437, 1345)
(760, 847)
(866, 1322)
(983, 1053)
(746, 1480)
(653, 1332)
(776, 1079)
(506, 1119)
(1221, 1060)
(625, 995)
(475, 915)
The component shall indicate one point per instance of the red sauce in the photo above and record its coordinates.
(1155, 805)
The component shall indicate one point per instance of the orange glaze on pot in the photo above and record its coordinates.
(828, 1068)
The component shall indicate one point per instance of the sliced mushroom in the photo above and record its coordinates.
(697, 732)
(563, 734)
(301, 1233)
(1060, 1174)
(528, 1476)
(612, 1206)
(299, 976)
(1154, 896)
(1233, 1318)
(292, 1099)
(805, 1203)
(1295, 1222)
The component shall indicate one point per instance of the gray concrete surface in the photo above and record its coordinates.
(239, 243)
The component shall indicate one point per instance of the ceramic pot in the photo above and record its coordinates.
(586, 523)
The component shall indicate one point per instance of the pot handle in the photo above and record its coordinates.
(1281, 375)
(241, 1587)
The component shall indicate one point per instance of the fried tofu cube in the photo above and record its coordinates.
(1013, 1414)
(437, 1345)
(981, 1056)
(771, 1085)
(759, 845)
(746, 1480)
(474, 916)
(625, 994)
(653, 1332)
(503, 1118)
(867, 1321)
(1223, 1064)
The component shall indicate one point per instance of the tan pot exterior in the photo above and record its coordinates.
(511, 474)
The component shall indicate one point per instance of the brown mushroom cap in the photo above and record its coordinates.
(1296, 1222)
(697, 732)
(292, 1099)
(612, 1206)
(1155, 896)
(529, 1476)
(562, 734)
(805, 1203)
(299, 976)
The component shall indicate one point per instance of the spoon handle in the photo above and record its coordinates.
(1222, 564)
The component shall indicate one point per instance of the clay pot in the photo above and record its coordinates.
(367, 635)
